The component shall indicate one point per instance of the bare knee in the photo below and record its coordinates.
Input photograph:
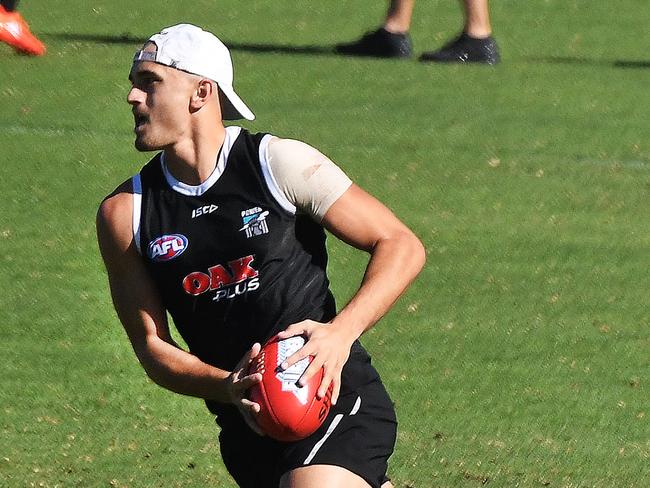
(317, 476)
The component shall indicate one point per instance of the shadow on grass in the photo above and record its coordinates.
(632, 64)
(572, 60)
(233, 46)
(328, 50)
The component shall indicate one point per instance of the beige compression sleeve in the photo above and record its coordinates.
(307, 178)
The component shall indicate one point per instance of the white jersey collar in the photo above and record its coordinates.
(232, 132)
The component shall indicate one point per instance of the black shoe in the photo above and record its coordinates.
(465, 49)
(378, 44)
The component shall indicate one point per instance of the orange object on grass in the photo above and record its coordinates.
(15, 32)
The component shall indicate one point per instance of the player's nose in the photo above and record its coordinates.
(134, 96)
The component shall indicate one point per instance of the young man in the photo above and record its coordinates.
(223, 229)
(15, 31)
(475, 44)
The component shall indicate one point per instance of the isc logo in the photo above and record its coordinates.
(205, 210)
(167, 247)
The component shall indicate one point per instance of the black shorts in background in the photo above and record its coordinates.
(358, 434)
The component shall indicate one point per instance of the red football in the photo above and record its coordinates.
(288, 412)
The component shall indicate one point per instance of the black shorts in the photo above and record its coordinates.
(358, 434)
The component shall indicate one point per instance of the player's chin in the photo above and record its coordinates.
(142, 144)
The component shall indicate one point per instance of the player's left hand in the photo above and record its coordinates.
(329, 344)
(237, 385)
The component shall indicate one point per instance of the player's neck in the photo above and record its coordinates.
(193, 159)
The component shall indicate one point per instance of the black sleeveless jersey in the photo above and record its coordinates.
(231, 259)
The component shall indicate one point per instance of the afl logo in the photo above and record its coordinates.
(166, 248)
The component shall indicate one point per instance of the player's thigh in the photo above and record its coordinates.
(319, 475)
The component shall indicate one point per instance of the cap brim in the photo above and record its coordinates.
(234, 107)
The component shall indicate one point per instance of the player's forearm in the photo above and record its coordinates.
(182, 372)
(393, 265)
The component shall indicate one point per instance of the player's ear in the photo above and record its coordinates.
(204, 90)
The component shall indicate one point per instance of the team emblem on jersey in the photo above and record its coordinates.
(254, 220)
(167, 247)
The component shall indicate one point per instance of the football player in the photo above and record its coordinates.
(475, 43)
(224, 230)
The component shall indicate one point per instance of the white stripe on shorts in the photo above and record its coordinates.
(330, 429)
(357, 406)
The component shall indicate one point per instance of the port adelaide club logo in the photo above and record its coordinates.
(167, 247)
(254, 222)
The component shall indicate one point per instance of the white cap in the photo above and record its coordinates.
(189, 48)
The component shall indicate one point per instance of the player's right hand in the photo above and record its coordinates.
(238, 384)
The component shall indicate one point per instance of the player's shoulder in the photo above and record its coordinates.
(284, 150)
(284, 141)
(120, 200)
(115, 211)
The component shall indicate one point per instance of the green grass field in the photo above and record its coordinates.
(519, 357)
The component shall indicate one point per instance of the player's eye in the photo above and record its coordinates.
(146, 82)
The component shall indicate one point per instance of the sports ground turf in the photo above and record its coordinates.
(521, 355)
